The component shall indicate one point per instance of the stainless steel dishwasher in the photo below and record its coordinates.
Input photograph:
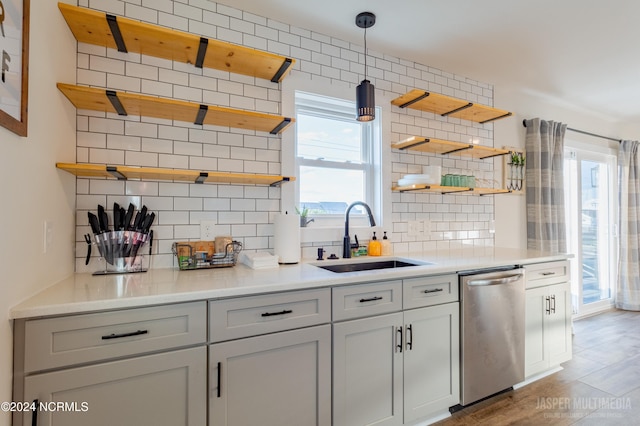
(492, 321)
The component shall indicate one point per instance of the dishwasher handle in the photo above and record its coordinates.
(496, 281)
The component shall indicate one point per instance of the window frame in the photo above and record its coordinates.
(321, 106)
(332, 232)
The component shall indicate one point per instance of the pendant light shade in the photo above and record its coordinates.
(365, 93)
(365, 101)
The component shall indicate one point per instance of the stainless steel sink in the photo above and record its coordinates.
(367, 266)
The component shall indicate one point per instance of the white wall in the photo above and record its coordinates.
(33, 190)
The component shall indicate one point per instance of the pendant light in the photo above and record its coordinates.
(365, 95)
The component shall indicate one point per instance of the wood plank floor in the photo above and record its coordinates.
(599, 386)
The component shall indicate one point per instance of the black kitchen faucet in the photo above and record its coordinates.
(346, 244)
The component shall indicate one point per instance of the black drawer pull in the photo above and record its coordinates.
(270, 314)
(371, 299)
(435, 290)
(119, 336)
(547, 273)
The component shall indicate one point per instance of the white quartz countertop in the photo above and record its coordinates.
(85, 293)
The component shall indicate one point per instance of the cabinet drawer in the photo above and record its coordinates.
(254, 315)
(542, 274)
(360, 300)
(77, 339)
(427, 291)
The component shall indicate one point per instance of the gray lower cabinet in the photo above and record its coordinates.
(395, 369)
(276, 379)
(547, 316)
(548, 327)
(167, 389)
(128, 367)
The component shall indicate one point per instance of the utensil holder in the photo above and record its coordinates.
(121, 252)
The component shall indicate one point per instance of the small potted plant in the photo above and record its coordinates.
(303, 217)
(517, 174)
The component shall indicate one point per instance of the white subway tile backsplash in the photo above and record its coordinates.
(203, 163)
(187, 203)
(104, 156)
(217, 204)
(244, 211)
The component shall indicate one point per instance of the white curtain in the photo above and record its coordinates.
(628, 294)
(546, 227)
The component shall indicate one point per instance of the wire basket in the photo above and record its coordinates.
(201, 255)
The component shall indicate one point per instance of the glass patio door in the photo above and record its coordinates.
(591, 216)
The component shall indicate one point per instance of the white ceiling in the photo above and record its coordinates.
(581, 53)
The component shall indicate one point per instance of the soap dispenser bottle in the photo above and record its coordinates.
(386, 245)
(375, 247)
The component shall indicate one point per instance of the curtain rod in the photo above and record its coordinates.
(524, 123)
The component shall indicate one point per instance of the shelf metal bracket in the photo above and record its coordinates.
(285, 122)
(419, 98)
(464, 148)
(458, 191)
(117, 105)
(416, 189)
(494, 155)
(203, 176)
(469, 105)
(497, 193)
(283, 69)
(115, 173)
(202, 50)
(418, 143)
(279, 182)
(497, 118)
(202, 113)
(112, 20)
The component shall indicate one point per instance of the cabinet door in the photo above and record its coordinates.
(431, 360)
(367, 371)
(536, 306)
(559, 324)
(273, 380)
(164, 389)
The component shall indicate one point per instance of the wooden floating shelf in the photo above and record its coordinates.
(193, 176)
(450, 189)
(124, 103)
(449, 107)
(128, 35)
(444, 147)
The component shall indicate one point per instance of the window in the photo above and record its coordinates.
(590, 208)
(336, 157)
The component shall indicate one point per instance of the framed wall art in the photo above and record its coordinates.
(14, 64)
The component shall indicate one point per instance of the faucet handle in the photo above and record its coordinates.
(356, 244)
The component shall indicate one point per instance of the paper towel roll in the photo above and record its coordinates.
(286, 235)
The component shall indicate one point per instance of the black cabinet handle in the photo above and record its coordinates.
(219, 378)
(270, 314)
(34, 416)
(553, 305)
(435, 290)
(371, 299)
(399, 333)
(410, 337)
(547, 273)
(119, 336)
(547, 302)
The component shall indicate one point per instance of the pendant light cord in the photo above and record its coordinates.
(365, 53)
